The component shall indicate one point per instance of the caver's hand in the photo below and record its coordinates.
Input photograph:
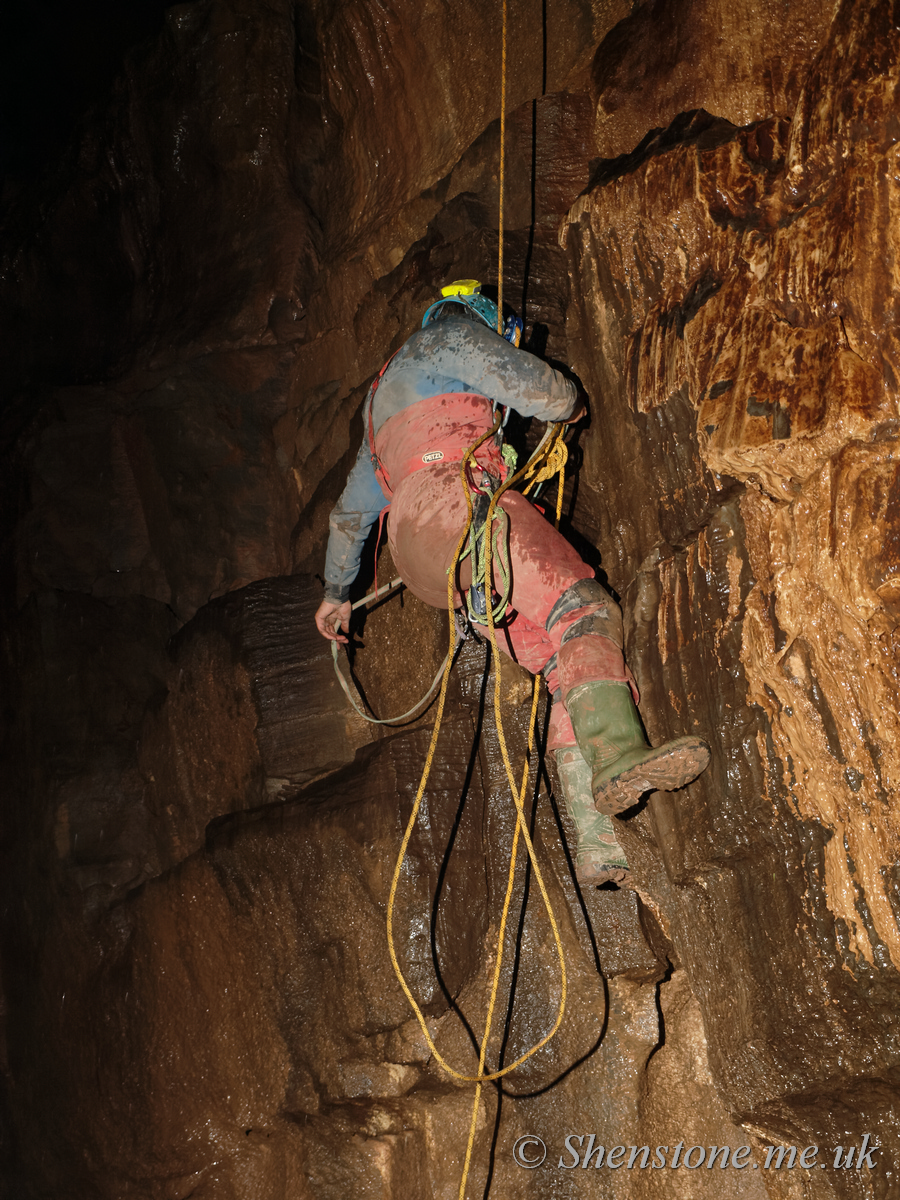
(328, 615)
(580, 411)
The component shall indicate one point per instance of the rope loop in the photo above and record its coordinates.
(389, 720)
(518, 794)
(555, 460)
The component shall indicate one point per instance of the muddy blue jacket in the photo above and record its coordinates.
(453, 355)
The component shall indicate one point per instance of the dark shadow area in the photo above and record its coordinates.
(57, 59)
(529, 251)
(451, 840)
(697, 126)
(541, 778)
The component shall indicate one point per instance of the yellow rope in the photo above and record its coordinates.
(520, 830)
(521, 826)
(555, 461)
(502, 174)
(519, 799)
(451, 578)
(501, 937)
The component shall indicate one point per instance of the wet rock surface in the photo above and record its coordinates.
(199, 833)
(794, 406)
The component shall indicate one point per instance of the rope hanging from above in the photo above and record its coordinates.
(545, 449)
(548, 459)
(502, 177)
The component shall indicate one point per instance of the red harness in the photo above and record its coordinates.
(416, 462)
(377, 465)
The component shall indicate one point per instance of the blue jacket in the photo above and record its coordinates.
(453, 355)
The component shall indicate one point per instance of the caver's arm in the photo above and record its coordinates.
(359, 507)
(463, 356)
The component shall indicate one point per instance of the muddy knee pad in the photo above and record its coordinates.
(589, 659)
(586, 608)
(588, 623)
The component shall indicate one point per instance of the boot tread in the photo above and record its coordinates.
(664, 769)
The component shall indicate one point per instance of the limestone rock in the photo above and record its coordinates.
(742, 62)
(734, 371)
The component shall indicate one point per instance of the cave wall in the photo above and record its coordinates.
(766, 546)
(199, 832)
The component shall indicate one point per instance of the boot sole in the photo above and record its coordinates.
(621, 876)
(674, 766)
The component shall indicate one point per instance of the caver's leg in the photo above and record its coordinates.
(552, 591)
(598, 697)
(584, 625)
(598, 856)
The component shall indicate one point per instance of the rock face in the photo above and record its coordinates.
(784, 360)
(200, 834)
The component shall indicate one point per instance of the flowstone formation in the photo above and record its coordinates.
(199, 832)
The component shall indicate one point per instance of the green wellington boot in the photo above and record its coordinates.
(623, 766)
(598, 858)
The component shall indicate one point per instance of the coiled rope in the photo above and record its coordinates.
(553, 463)
(410, 712)
(497, 531)
(546, 448)
(390, 720)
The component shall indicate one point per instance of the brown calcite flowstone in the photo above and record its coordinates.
(236, 1026)
(79, 792)
(736, 322)
(258, 170)
(242, 709)
(412, 90)
(173, 227)
(740, 61)
(172, 486)
(254, 710)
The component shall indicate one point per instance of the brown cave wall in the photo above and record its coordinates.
(199, 833)
(739, 285)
